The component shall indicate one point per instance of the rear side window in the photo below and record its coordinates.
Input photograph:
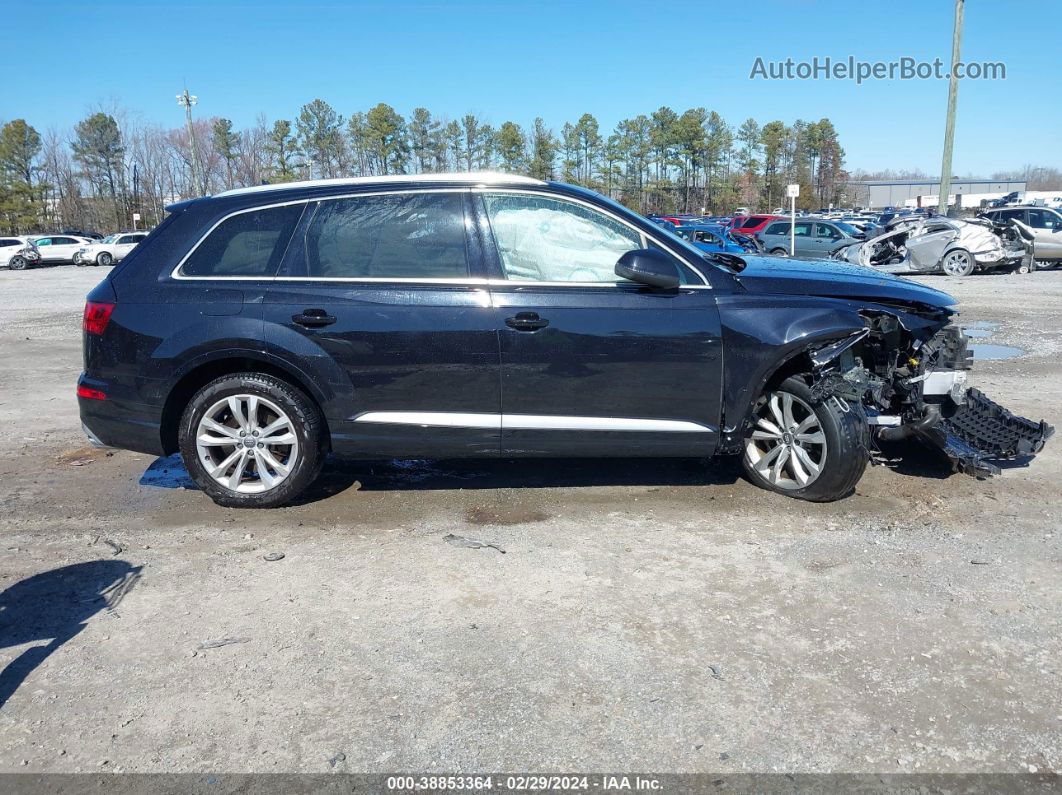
(399, 236)
(8, 241)
(778, 229)
(249, 244)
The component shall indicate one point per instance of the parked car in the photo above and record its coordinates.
(18, 253)
(943, 245)
(753, 224)
(111, 249)
(812, 239)
(1046, 224)
(58, 249)
(259, 329)
(709, 237)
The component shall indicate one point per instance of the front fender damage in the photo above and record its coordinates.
(906, 371)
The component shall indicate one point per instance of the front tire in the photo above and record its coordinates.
(958, 262)
(103, 258)
(780, 252)
(803, 447)
(250, 440)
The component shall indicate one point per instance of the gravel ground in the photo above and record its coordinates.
(644, 615)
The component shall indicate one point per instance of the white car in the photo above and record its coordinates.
(59, 248)
(109, 250)
(18, 253)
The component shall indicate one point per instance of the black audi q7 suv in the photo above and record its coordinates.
(473, 315)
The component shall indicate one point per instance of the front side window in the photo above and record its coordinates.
(543, 239)
(827, 231)
(1043, 219)
(44, 241)
(397, 236)
(249, 244)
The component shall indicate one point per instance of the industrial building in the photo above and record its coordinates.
(877, 194)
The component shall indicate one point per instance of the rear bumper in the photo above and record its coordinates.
(116, 422)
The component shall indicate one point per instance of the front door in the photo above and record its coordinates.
(593, 364)
(1047, 227)
(385, 287)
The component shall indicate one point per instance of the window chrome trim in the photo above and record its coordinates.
(177, 275)
(525, 422)
(565, 198)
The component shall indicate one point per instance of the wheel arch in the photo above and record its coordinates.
(202, 373)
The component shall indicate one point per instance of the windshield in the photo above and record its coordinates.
(109, 239)
(848, 229)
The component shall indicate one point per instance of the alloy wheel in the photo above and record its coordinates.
(247, 444)
(787, 446)
(957, 263)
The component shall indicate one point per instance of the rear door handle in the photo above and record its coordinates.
(526, 321)
(313, 318)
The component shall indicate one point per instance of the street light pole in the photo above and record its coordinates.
(187, 100)
(949, 123)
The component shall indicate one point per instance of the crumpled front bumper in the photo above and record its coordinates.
(981, 434)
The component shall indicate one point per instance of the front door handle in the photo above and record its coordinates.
(313, 318)
(526, 321)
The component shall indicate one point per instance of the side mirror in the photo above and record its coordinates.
(648, 266)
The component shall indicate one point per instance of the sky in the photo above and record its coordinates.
(517, 60)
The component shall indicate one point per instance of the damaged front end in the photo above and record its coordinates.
(907, 371)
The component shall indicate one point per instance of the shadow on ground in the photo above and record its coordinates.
(54, 606)
(529, 473)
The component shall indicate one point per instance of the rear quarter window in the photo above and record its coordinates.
(249, 244)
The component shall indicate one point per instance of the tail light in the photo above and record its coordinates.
(97, 315)
(90, 393)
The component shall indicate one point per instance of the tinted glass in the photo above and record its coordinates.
(803, 229)
(248, 244)
(1042, 219)
(544, 239)
(9, 241)
(401, 236)
(124, 239)
(778, 229)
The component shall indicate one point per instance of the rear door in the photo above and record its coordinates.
(592, 364)
(382, 293)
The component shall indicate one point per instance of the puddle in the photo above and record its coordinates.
(168, 473)
(980, 329)
(996, 352)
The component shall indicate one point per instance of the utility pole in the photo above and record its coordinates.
(949, 123)
(187, 100)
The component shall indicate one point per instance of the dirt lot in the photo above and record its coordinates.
(645, 615)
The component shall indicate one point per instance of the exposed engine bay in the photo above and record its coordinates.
(921, 245)
(910, 381)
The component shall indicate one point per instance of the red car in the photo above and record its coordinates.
(751, 224)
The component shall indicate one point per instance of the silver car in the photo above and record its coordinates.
(1046, 224)
(813, 239)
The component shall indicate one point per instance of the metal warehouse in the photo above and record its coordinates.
(897, 193)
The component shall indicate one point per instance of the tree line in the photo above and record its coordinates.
(111, 166)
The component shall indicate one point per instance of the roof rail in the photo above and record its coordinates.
(471, 177)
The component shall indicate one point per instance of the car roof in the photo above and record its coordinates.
(468, 177)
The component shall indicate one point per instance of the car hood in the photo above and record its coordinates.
(780, 275)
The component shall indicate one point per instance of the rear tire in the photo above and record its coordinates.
(238, 469)
(804, 448)
(958, 262)
(17, 263)
(780, 252)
